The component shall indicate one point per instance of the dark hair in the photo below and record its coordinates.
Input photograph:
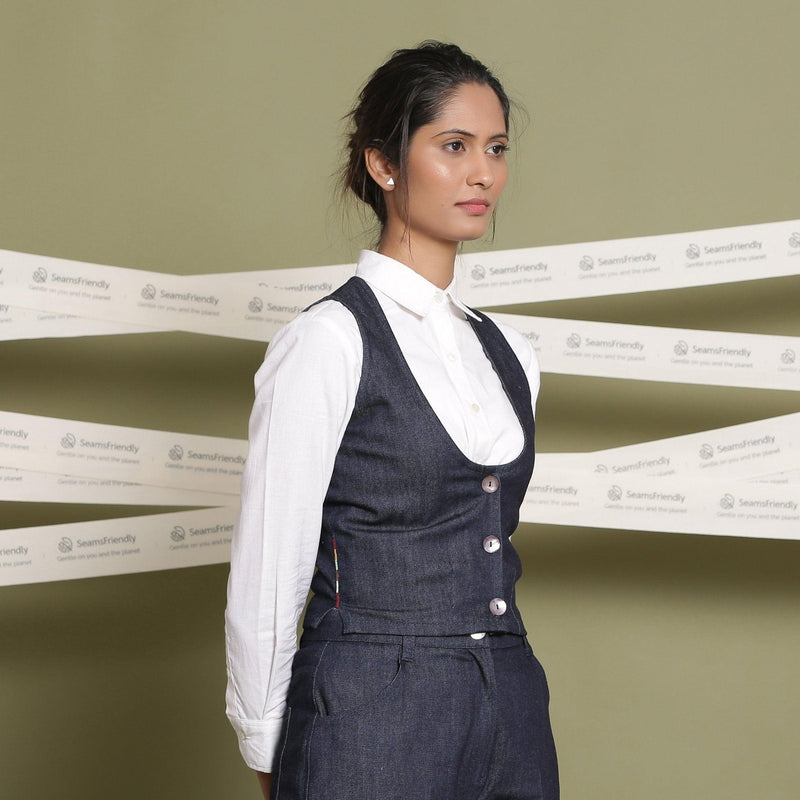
(405, 93)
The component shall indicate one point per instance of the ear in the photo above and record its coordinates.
(380, 169)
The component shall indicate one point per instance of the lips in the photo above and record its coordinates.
(475, 205)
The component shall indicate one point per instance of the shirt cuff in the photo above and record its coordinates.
(258, 741)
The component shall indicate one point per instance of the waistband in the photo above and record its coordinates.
(330, 630)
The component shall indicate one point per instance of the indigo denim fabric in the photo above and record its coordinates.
(415, 718)
(407, 511)
(390, 697)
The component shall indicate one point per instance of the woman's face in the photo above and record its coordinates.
(456, 170)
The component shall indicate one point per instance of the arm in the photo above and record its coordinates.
(265, 781)
(305, 392)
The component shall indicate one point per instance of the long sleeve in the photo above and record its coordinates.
(305, 392)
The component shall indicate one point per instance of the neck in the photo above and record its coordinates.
(434, 260)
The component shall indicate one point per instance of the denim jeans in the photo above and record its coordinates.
(389, 717)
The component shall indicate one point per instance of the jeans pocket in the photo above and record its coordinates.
(354, 676)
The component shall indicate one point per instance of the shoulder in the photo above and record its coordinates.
(327, 325)
(321, 339)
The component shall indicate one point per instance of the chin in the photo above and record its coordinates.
(474, 235)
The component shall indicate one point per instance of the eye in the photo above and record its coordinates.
(455, 146)
(498, 149)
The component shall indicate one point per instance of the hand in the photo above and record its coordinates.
(265, 781)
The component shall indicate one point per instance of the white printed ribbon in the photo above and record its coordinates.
(253, 305)
(155, 458)
(575, 347)
(669, 505)
(623, 266)
(28, 486)
(116, 546)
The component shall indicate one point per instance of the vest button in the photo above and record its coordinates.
(491, 544)
(490, 484)
(497, 606)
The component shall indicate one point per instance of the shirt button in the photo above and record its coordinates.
(438, 298)
(475, 408)
(490, 484)
(491, 544)
(451, 356)
(497, 606)
(478, 635)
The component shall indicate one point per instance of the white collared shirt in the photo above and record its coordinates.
(305, 393)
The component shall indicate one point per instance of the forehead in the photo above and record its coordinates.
(472, 107)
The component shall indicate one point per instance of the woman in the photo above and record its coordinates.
(391, 443)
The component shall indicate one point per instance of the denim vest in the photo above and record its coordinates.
(415, 536)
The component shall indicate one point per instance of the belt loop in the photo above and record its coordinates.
(407, 648)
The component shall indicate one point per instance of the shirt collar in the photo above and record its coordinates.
(403, 285)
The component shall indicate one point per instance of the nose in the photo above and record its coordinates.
(480, 172)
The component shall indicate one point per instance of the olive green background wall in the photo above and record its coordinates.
(194, 136)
